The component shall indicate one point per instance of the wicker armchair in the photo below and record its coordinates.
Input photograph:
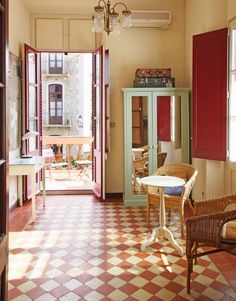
(173, 201)
(139, 169)
(161, 159)
(207, 227)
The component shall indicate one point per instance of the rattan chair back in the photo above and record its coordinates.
(205, 228)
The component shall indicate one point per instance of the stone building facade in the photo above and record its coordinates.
(74, 105)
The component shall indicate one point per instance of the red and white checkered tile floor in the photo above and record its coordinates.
(83, 249)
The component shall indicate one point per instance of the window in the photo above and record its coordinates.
(55, 104)
(232, 100)
(55, 63)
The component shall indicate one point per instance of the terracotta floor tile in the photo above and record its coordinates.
(13, 293)
(148, 275)
(128, 288)
(59, 291)
(63, 278)
(151, 288)
(219, 286)
(210, 273)
(82, 291)
(105, 289)
(36, 293)
(174, 287)
(228, 298)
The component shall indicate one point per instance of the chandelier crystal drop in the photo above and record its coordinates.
(106, 18)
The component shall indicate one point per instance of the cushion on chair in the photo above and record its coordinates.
(229, 231)
(174, 190)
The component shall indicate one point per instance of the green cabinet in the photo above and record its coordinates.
(155, 120)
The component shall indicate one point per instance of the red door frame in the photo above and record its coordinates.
(37, 85)
(26, 111)
(98, 124)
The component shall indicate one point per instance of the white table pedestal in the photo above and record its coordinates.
(162, 231)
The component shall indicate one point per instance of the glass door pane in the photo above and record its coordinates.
(32, 67)
(33, 117)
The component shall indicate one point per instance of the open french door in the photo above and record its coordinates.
(98, 123)
(4, 185)
(32, 105)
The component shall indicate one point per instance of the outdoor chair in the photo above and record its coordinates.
(213, 226)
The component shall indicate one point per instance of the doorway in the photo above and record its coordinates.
(67, 140)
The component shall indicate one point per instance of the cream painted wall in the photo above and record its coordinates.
(231, 9)
(140, 48)
(19, 26)
(201, 16)
(213, 14)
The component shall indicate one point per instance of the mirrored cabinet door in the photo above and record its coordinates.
(156, 130)
(138, 128)
(140, 142)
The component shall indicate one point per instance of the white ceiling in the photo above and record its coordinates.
(87, 6)
(60, 6)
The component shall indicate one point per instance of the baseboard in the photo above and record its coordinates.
(114, 195)
(135, 202)
(69, 192)
(14, 206)
(108, 196)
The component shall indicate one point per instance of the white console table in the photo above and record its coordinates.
(28, 167)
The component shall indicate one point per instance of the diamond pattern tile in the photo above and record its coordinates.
(83, 249)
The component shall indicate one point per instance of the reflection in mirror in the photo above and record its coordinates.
(168, 125)
(139, 142)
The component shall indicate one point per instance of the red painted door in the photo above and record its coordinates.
(98, 125)
(107, 99)
(209, 107)
(32, 104)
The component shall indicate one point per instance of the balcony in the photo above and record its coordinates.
(68, 162)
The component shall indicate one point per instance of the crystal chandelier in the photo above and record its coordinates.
(106, 18)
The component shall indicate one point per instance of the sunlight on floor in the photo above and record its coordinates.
(68, 180)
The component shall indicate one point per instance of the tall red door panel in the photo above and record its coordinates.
(209, 107)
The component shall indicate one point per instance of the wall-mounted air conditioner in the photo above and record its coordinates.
(151, 19)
